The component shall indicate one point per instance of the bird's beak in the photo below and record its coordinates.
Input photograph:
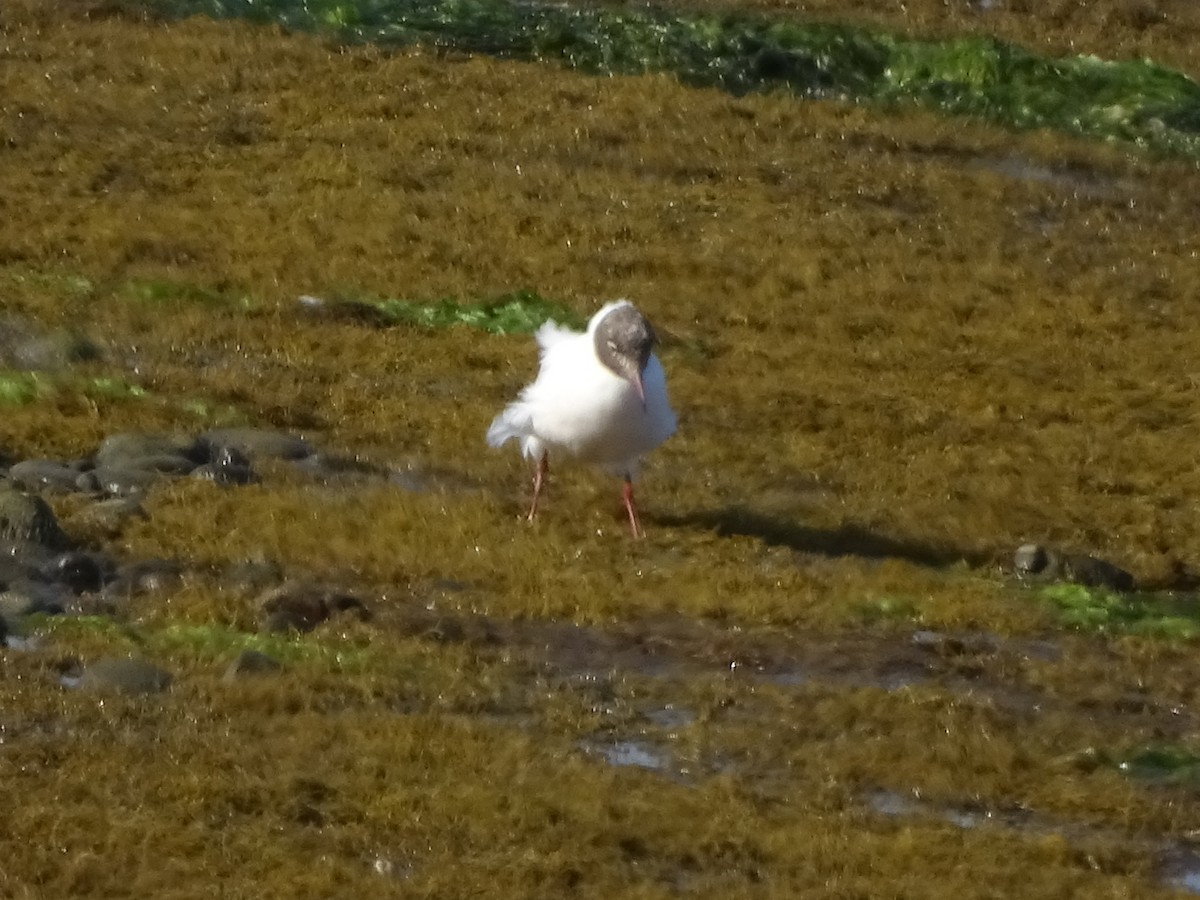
(638, 386)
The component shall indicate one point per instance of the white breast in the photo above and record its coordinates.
(578, 405)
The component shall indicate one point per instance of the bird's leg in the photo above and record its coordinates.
(631, 508)
(539, 478)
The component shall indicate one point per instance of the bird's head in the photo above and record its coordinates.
(624, 340)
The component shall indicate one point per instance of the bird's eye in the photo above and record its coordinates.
(612, 345)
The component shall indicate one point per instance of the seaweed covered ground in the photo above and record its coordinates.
(275, 626)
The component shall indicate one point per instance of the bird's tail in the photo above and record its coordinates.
(514, 422)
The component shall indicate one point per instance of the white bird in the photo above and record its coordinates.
(600, 395)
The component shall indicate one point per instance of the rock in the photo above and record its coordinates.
(353, 311)
(256, 443)
(26, 344)
(28, 519)
(151, 451)
(229, 467)
(30, 597)
(162, 463)
(110, 516)
(80, 572)
(250, 662)
(302, 606)
(43, 474)
(1033, 561)
(124, 675)
(144, 577)
(1092, 572)
(21, 560)
(118, 482)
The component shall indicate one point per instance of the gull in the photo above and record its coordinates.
(599, 395)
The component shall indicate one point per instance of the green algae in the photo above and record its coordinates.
(163, 291)
(1153, 614)
(206, 641)
(1163, 764)
(884, 609)
(519, 312)
(1172, 763)
(19, 388)
(23, 388)
(1135, 101)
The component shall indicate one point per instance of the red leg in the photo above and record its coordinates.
(631, 508)
(539, 478)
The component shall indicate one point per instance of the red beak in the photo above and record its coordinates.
(639, 387)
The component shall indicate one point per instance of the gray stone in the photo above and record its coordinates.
(1093, 572)
(25, 598)
(22, 559)
(135, 450)
(28, 519)
(118, 482)
(124, 675)
(110, 516)
(256, 443)
(145, 577)
(80, 572)
(1035, 562)
(163, 463)
(43, 474)
(26, 344)
(229, 466)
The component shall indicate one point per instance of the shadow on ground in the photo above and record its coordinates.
(849, 539)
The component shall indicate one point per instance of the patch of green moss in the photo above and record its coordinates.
(210, 641)
(1164, 762)
(219, 641)
(1172, 763)
(22, 388)
(1143, 613)
(887, 609)
(1136, 101)
(517, 312)
(160, 291)
(102, 627)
